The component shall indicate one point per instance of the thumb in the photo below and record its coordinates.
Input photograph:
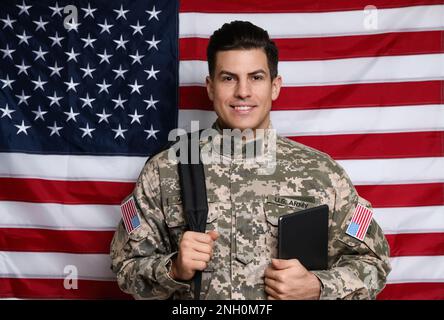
(213, 234)
(280, 264)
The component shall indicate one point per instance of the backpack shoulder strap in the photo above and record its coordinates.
(194, 200)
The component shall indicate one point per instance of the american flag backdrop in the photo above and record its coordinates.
(83, 105)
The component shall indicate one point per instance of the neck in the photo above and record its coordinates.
(237, 143)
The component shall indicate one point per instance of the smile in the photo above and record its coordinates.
(242, 108)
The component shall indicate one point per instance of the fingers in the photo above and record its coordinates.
(282, 270)
(196, 241)
(197, 265)
(273, 284)
(198, 251)
(273, 274)
(199, 256)
(213, 234)
(281, 264)
(275, 289)
(195, 252)
(199, 236)
(272, 295)
(188, 244)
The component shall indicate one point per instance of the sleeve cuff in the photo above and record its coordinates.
(330, 288)
(163, 277)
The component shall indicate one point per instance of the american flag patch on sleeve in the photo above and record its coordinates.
(129, 215)
(362, 217)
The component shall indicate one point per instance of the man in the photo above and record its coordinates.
(157, 258)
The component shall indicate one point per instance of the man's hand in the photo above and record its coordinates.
(289, 280)
(195, 251)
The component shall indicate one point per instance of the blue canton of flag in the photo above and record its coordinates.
(101, 83)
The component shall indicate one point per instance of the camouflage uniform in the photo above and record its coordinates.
(244, 206)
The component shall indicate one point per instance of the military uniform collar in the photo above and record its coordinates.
(229, 144)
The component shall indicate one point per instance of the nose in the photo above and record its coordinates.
(243, 89)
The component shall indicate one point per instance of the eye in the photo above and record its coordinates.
(227, 78)
(258, 77)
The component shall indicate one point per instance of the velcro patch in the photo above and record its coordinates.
(294, 202)
(360, 221)
(130, 215)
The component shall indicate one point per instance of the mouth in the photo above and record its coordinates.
(242, 108)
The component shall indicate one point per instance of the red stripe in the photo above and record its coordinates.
(54, 289)
(416, 244)
(378, 145)
(98, 242)
(125, 222)
(321, 48)
(368, 218)
(43, 240)
(403, 195)
(356, 215)
(362, 225)
(66, 192)
(88, 289)
(358, 220)
(126, 217)
(282, 6)
(133, 208)
(334, 96)
(413, 291)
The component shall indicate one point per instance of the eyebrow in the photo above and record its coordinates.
(250, 73)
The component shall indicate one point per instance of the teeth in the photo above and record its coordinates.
(242, 108)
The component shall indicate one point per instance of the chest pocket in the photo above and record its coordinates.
(277, 206)
(177, 223)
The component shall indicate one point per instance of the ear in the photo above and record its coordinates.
(276, 87)
(210, 87)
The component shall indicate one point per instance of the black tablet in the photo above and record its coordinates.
(303, 235)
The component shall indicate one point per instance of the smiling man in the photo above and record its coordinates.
(154, 254)
(242, 86)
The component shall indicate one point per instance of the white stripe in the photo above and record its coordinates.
(417, 269)
(96, 266)
(58, 216)
(338, 71)
(52, 265)
(307, 24)
(105, 218)
(394, 171)
(72, 167)
(340, 121)
(363, 70)
(361, 172)
(410, 219)
(359, 120)
(288, 123)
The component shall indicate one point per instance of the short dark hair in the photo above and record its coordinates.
(242, 35)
